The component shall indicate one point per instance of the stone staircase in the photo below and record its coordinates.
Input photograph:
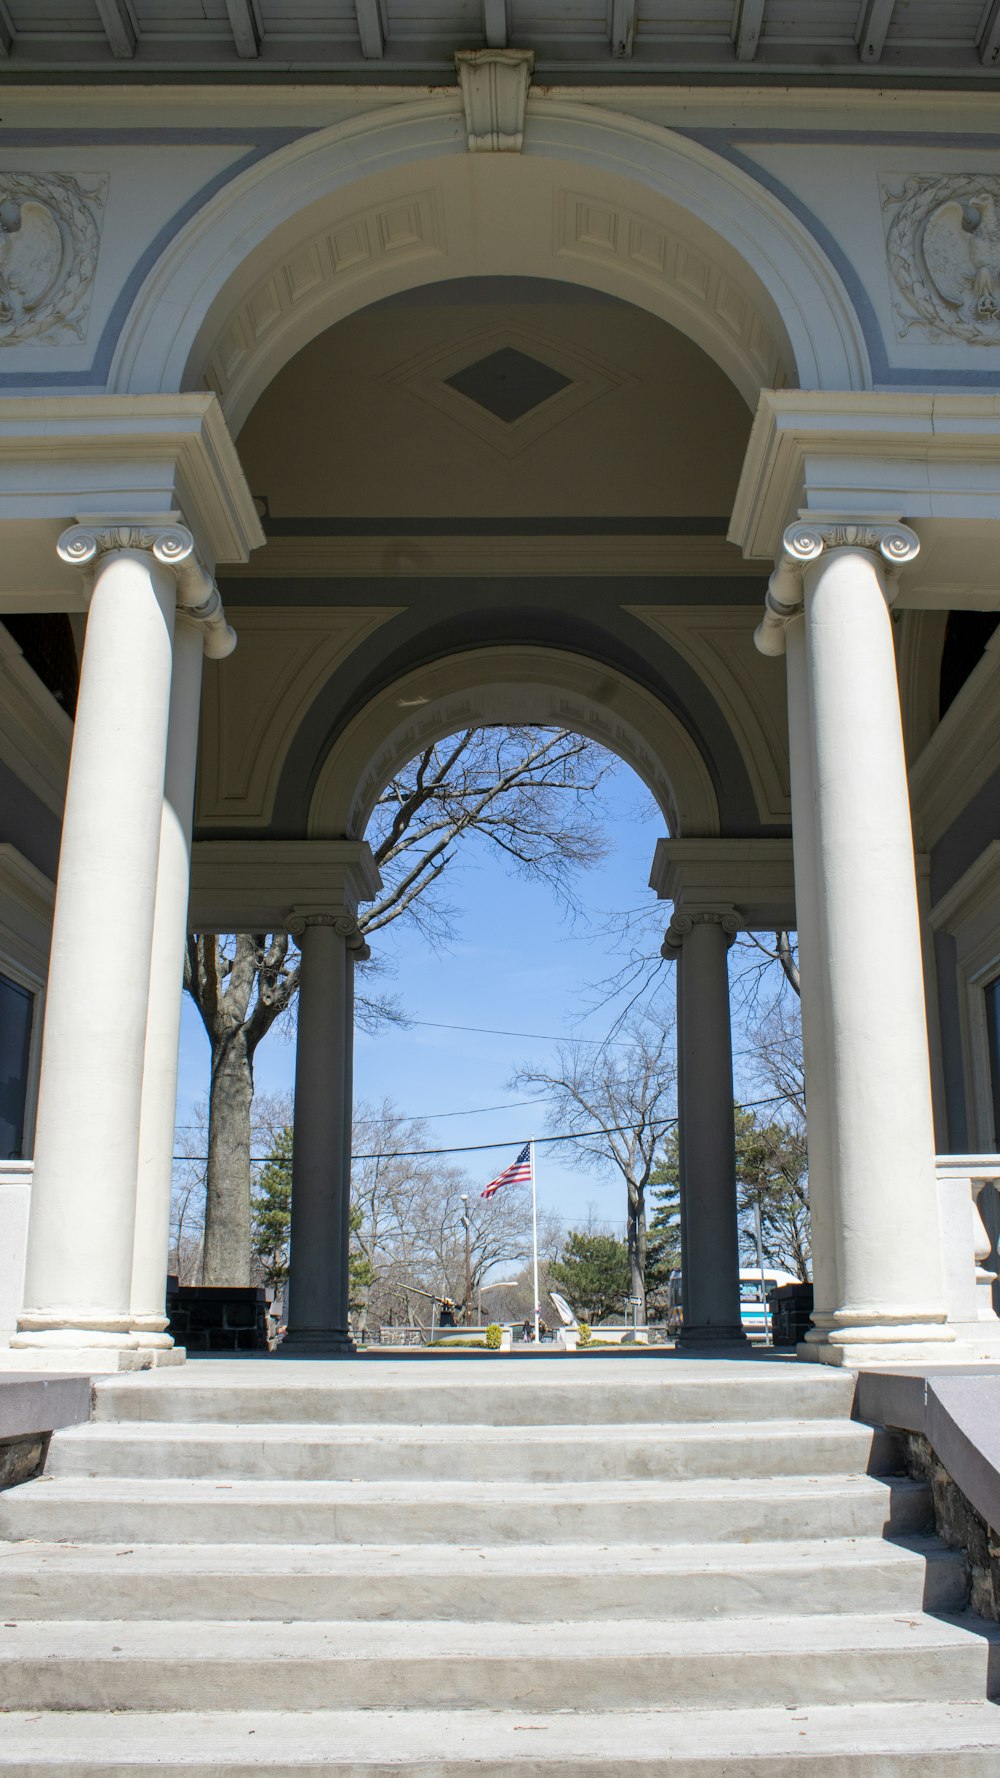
(523, 1568)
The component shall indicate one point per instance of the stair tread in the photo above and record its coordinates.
(476, 1558)
(399, 1431)
(85, 1640)
(351, 1490)
(652, 1740)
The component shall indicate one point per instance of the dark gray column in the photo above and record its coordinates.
(708, 1158)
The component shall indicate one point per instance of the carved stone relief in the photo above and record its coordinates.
(943, 244)
(49, 236)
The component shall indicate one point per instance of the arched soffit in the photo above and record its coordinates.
(495, 686)
(349, 215)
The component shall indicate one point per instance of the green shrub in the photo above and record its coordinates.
(584, 1335)
(494, 1336)
(459, 1342)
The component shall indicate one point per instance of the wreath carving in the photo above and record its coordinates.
(49, 240)
(943, 247)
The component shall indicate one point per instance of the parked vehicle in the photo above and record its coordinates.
(754, 1286)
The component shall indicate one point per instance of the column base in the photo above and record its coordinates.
(316, 1343)
(151, 1331)
(87, 1361)
(861, 1346)
(734, 1335)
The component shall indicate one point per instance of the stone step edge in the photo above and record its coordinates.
(454, 1743)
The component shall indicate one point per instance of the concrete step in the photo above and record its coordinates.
(736, 1664)
(524, 1583)
(909, 1740)
(118, 1510)
(659, 1389)
(308, 1452)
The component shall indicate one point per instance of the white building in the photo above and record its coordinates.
(538, 382)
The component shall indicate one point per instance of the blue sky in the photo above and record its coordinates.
(516, 964)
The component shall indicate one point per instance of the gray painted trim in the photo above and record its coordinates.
(956, 1139)
(267, 141)
(969, 834)
(419, 589)
(957, 1411)
(33, 1402)
(722, 142)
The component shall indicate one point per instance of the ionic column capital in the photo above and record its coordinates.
(343, 922)
(682, 924)
(172, 545)
(804, 542)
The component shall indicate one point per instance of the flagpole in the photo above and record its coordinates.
(534, 1239)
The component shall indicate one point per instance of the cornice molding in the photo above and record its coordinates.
(272, 885)
(749, 880)
(348, 558)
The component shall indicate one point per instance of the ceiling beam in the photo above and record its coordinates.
(119, 27)
(874, 20)
(244, 22)
(496, 24)
(988, 41)
(623, 21)
(371, 29)
(748, 22)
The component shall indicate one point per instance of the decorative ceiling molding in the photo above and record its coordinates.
(346, 558)
(408, 228)
(749, 690)
(589, 378)
(587, 228)
(252, 709)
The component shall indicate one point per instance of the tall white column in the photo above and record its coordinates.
(874, 1030)
(201, 629)
(159, 1079)
(79, 1263)
(708, 1172)
(319, 1251)
(823, 1231)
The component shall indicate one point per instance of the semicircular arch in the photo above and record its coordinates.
(349, 215)
(543, 687)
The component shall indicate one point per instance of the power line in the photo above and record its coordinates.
(410, 1154)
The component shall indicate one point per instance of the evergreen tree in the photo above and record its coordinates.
(271, 1211)
(663, 1250)
(593, 1271)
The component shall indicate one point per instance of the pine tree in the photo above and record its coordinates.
(271, 1211)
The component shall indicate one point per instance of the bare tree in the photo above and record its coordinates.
(528, 792)
(617, 1107)
(411, 1230)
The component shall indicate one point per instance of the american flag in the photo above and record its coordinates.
(518, 1173)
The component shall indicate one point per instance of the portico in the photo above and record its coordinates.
(637, 266)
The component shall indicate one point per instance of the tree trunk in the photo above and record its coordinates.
(227, 1194)
(637, 1248)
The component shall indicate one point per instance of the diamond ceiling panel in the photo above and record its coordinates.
(508, 383)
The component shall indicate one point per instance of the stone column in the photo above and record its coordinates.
(823, 1230)
(872, 1029)
(317, 1312)
(200, 629)
(79, 1264)
(708, 1171)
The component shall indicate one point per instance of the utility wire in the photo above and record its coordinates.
(410, 1154)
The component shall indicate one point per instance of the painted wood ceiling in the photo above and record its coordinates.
(912, 42)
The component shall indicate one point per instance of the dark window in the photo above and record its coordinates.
(993, 1032)
(45, 639)
(965, 638)
(16, 1008)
